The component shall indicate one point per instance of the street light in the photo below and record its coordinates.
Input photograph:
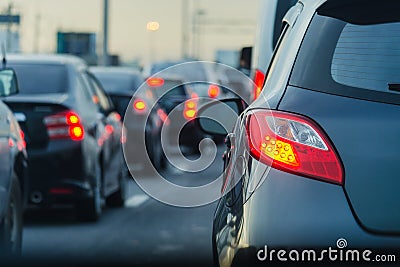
(152, 27)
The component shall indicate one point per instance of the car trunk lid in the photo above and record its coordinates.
(365, 133)
(30, 111)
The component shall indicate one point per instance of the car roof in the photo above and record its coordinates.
(59, 59)
(115, 69)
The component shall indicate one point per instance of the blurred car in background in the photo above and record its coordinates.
(316, 153)
(269, 26)
(121, 84)
(202, 77)
(13, 175)
(173, 96)
(72, 134)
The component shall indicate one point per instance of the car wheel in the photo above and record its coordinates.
(11, 225)
(90, 209)
(117, 199)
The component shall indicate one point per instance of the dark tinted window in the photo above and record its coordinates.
(41, 78)
(117, 82)
(169, 89)
(177, 91)
(351, 57)
(367, 56)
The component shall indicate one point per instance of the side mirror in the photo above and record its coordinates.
(219, 117)
(8, 82)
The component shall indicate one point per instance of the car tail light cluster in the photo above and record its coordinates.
(64, 125)
(259, 78)
(139, 105)
(155, 81)
(294, 144)
(213, 91)
(190, 110)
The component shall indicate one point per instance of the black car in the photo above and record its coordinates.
(312, 165)
(119, 83)
(72, 132)
(147, 118)
(13, 162)
(173, 95)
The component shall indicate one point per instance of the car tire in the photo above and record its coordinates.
(117, 199)
(89, 209)
(11, 225)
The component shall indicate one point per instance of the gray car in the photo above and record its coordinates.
(13, 178)
(312, 164)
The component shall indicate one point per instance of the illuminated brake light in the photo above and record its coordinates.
(11, 142)
(190, 110)
(109, 129)
(259, 78)
(76, 132)
(194, 96)
(139, 105)
(22, 135)
(64, 125)
(294, 144)
(213, 91)
(117, 117)
(72, 118)
(155, 81)
(190, 104)
(190, 114)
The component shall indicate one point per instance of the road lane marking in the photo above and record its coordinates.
(136, 201)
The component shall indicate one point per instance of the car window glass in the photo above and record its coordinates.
(97, 96)
(98, 91)
(83, 87)
(367, 56)
(354, 59)
(41, 78)
(117, 82)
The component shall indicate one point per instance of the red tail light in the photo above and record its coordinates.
(117, 116)
(64, 125)
(155, 81)
(294, 144)
(259, 78)
(109, 129)
(194, 96)
(190, 110)
(139, 105)
(22, 134)
(213, 91)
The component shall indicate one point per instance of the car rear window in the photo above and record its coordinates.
(352, 57)
(169, 89)
(117, 82)
(41, 78)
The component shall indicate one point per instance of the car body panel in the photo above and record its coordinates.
(291, 211)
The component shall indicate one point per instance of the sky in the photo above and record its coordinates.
(225, 24)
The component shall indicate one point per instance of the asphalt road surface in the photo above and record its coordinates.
(144, 233)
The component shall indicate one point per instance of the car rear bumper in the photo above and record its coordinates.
(291, 212)
(59, 173)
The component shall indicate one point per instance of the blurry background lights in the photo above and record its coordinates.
(153, 26)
